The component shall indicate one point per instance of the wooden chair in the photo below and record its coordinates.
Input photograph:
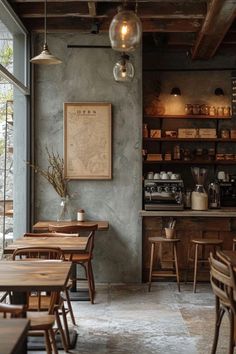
(223, 285)
(41, 323)
(40, 301)
(83, 259)
(66, 297)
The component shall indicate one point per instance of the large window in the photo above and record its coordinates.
(14, 101)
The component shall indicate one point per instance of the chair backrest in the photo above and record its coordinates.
(47, 234)
(38, 253)
(72, 229)
(11, 311)
(82, 230)
(223, 282)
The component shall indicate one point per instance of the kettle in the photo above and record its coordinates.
(214, 195)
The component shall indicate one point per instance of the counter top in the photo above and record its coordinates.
(221, 213)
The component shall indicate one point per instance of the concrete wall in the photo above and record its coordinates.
(86, 76)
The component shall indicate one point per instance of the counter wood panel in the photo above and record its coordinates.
(186, 228)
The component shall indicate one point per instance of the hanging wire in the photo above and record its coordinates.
(45, 21)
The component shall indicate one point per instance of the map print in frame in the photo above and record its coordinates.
(87, 140)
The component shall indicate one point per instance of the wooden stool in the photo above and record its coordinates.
(196, 242)
(234, 244)
(152, 273)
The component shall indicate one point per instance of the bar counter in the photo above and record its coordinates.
(219, 213)
(212, 223)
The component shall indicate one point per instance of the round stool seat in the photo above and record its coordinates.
(207, 241)
(163, 239)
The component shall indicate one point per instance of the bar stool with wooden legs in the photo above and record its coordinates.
(234, 244)
(159, 241)
(195, 244)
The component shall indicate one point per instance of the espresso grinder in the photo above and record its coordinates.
(214, 195)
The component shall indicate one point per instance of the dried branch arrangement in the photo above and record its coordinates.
(54, 174)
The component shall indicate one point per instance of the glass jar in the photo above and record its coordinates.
(145, 131)
(199, 198)
(196, 109)
(65, 210)
(220, 111)
(212, 111)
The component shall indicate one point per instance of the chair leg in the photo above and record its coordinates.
(195, 268)
(61, 330)
(67, 333)
(151, 266)
(92, 276)
(231, 341)
(53, 340)
(89, 283)
(219, 315)
(47, 342)
(187, 266)
(176, 266)
(70, 307)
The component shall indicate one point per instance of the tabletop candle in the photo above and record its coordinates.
(80, 215)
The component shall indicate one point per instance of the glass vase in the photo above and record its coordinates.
(65, 210)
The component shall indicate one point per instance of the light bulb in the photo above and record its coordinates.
(125, 31)
(123, 70)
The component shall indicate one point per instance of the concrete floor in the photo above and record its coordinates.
(126, 319)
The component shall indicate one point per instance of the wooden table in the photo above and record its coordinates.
(23, 276)
(68, 244)
(13, 334)
(42, 226)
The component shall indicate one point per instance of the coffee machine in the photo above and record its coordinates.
(228, 193)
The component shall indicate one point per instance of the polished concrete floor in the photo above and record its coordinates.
(126, 319)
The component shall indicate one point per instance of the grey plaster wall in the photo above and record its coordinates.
(86, 76)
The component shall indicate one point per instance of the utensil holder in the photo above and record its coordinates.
(170, 233)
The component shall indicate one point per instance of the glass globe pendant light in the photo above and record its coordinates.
(123, 70)
(45, 57)
(125, 31)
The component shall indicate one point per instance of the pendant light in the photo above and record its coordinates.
(175, 91)
(45, 57)
(123, 70)
(125, 30)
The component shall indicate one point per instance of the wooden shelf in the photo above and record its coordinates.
(221, 140)
(191, 162)
(184, 116)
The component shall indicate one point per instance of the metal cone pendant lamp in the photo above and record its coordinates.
(45, 57)
(125, 31)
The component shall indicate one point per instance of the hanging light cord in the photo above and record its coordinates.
(45, 22)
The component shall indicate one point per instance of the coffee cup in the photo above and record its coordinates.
(221, 176)
(174, 176)
(150, 175)
(156, 176)
(169, 173)
(164, 176)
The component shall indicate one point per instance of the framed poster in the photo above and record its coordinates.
(87, 141)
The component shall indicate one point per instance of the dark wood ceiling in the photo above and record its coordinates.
(201, 25)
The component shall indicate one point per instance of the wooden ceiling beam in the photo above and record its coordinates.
(219, 18)
(149, 10)
(82, 24)
(92, 8)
